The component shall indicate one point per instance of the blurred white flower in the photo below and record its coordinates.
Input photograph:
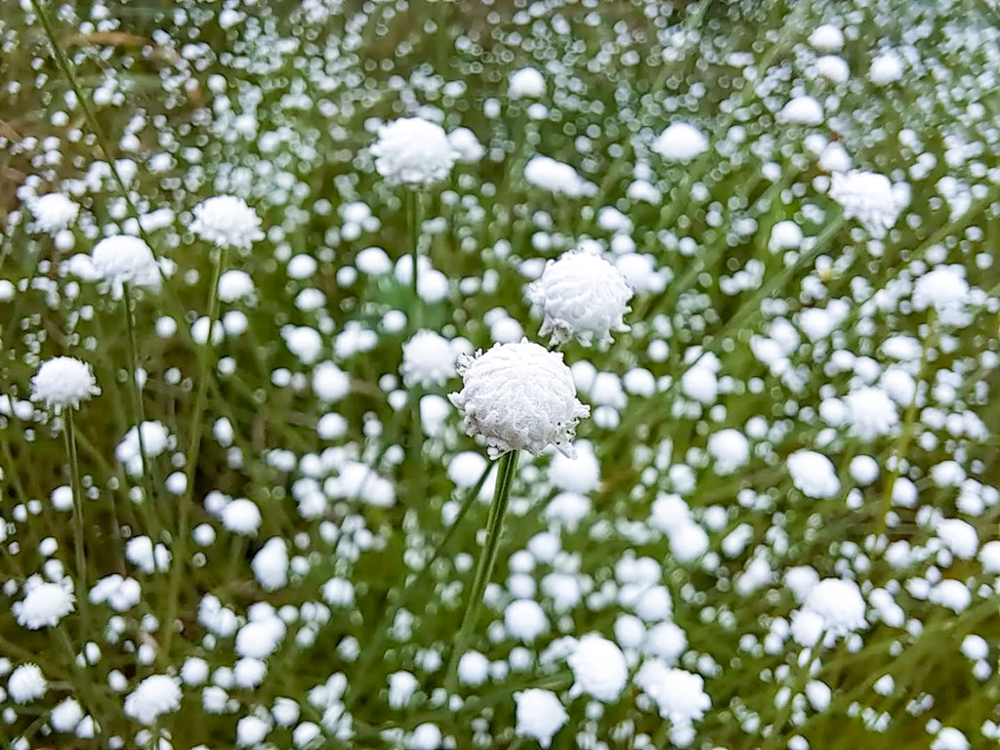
(868, 197)
(53, 212)
(945, 289)
(519, 396)
(155, 696)
(886, 68)
(26, 684)
(839, 603)
(540, 715)
(679, 695)
(428, 360)
(227, 222)
(123, 259)
(827, 38)
(44, 605)
(413, 151)
(680, 142)
(813, 474)
(599, 668)
(270, 564)
(466, 145)
(870, 413)
(802, 110)
(580, 296)
(730, 449)
(557, 177)
(64, 382)
(526, 83)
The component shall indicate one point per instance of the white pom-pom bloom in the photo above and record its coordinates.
(680, 142)
(519, 396)
(526, 83)
(44, 605)
(557, 177)
(270, 565)
(886, 68)
(580, 296)
(428, 360)
(870, 413)
(466, 145)
(599, 668)
(868, 197)
(53, 212)
(803, 110)
(413, 151)
(945, 289)
(839, 603)
(679, 695)
(813, 474)
(827, 38)
(730, 449)
(26, 684)
(155, 696)
(63, 382)
(227, 221)
(539, 715)
(123, 259)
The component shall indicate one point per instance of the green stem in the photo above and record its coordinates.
(417, 313)
(801, 680)
(140, 409)
(78, 531)
(191, 458)
(487, 559)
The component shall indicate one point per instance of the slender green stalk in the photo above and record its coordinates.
(78, 531)
(416, 317)
(207, 360)
(140, 409)
(775, 739)
(487, 559)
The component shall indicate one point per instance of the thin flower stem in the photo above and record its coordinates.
(140, 411)
(417, 313)
(191, 458)
(487, 559)
(78, 531)
(775, 738)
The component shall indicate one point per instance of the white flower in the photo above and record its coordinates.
(123, 259)
(413, 151)
(730, 449)
(519, 396)
(156, 438)
(53, 212)
(466, 145)
(870, 413)
(26, 683)
(557, 177)
(63, 381)
(428, 360)
(539, 715)
(680, 142)
(945, 289)
(227, 222)
(679, 695)
(44, 605)
(868, 197)
(599, 668)
(580, 296)
(66, 716)
(827, 38)
(270, 565)
(839, 603)
(526, 83)
(155, 696)
(886, 68)
(813, 474)
(802, 110)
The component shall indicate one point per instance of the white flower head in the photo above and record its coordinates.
(428, 360)
(26, 684)
(599, 668)
(155, 696)
(679, 695)
(413, 151)
(813, 474)
(868, 197)
(581, 296)
(466, 145)
(680, 142)
(802, 110)
(557, 177)
(945, 289)
(227, 222)
(540, 715)
(53, 212)
(870, 413)
(526, 83)
(519, 396)
(64, 382)
(839, 603)
(123, 259)
(44, 605)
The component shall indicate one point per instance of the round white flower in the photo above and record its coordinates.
(44, 605)
(680, 142)
(227, 222)
(557, 177)
(53, 212)
(870, 413)
(540, 715)
(580, 296)
(945, 289)
(839, 603)
(526, 83)
(679, 695)
(466, 145)
(155, 696)
(26, 684)
(730, 449)
(428, 360)
(886, 68)
(63, 382)
(599, 668)
(413, 151)
(827, 38)
(813, 474)
(66, 716)
(270, 565)
(123, 259)
(519, 396)
(802, 110)
(868, 197)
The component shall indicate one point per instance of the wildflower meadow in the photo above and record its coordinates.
(571, 374)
